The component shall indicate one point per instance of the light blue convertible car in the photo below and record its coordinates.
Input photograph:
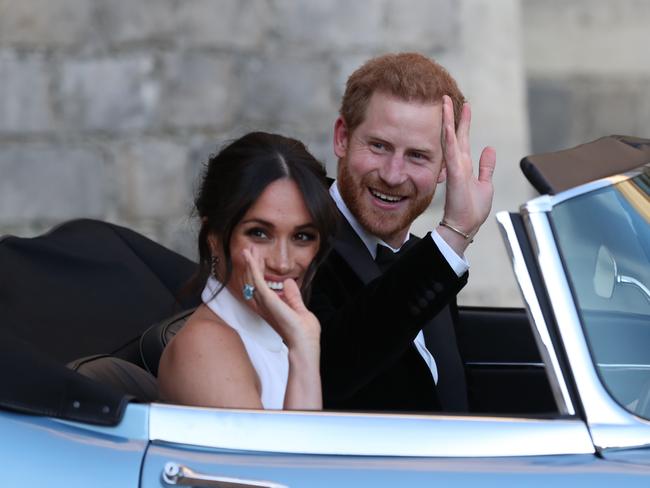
(559, 392)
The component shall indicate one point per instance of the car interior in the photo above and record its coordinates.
(105, 300)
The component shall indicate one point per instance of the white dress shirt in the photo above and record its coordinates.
(457, 263)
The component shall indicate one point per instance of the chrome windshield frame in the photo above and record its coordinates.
(610, 425)
(540, 328)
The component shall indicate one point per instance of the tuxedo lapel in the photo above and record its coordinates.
(352, 249)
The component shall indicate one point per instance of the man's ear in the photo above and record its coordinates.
(340, 138)
(442, 176)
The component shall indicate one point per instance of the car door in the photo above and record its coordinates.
(205, 447)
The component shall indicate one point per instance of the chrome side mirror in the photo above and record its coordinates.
(605, 273)
(606, 276)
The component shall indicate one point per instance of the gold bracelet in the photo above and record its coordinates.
(467, 237)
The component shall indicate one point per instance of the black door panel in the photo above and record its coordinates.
(505, 373)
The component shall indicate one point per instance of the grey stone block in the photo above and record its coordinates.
(25, 104)
(111, 94)
(549, 112)
(288, 91)
(422, 25)
(45, 22)
(566, 112)
(332, 25)
(321, 147)
(181, 235)
(202, 148)
(152, 179)
(238, 24)
(604, 106)
(229, 24)
(589, 37)
(50, 182)
(344, 66)
(130, 21)
(198, 89)
(376, 24)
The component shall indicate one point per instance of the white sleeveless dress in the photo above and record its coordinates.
(268, 354)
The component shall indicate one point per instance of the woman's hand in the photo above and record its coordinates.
(288, 315)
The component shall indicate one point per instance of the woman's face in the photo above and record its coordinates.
(280, 231)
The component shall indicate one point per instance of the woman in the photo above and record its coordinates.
(265, 218)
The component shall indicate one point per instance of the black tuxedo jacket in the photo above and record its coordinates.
(369, 322)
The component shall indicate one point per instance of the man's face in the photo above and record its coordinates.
(390, 164)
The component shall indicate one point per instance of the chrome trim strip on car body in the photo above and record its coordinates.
(556, 378)
(624, 366)
(611, 426)
(505, 364)
(358, 434)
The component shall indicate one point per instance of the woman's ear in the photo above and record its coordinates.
(213, 242)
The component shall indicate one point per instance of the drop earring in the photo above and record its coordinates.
(214, 261)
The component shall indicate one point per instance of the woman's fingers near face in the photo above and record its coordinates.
(255, 264)
(292, 295)
(250, 275)
(254, 273)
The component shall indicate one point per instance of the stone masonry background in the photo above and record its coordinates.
(109, 108)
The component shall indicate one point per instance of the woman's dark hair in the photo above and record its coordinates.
(236, 177)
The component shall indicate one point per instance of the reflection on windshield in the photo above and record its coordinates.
(604, 239)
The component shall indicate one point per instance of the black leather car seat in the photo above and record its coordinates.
(119, 374)
(154, 340)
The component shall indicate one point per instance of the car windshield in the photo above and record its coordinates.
(604, 239)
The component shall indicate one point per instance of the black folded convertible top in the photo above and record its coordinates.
(85, 288)
(34, 384)
(88, 287)
(551, 173)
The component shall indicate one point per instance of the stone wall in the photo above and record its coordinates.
(108, 108)
(588, 70)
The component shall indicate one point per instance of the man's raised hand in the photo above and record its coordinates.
(468, 198)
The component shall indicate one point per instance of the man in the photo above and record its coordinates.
(403, 128)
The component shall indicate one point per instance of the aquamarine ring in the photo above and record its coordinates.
(248, 291)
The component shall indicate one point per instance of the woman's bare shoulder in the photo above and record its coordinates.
(203, 334)
(202, 355)
(203, 328)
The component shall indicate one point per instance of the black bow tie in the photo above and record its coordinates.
(385, 255)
